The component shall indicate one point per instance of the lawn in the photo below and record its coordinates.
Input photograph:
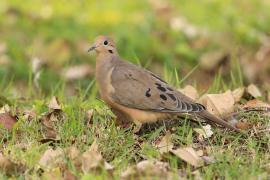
(64, 130)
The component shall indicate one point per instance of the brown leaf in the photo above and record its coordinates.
(75, 156)
(218, 104)
(254, 91)
(190, 91)
(8, 167)
(197, 175)
(48, 127)
(238, 94)
(54, 104)
(5, 163)
(204, 132)
(52, 158)
(68, 175)
(50, 121)
(5, 109)
(189, 155)
(243, 125)
(7, 120)
(147, 169)
(255, 103)
(165, 145)
(29, 114)
(92, 159)
(77, 72)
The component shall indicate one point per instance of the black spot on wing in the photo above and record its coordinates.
(161, 88)
(171, 96)
(147, 93)
(163, 97)
(170, 89)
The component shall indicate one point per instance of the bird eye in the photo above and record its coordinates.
(105, 42)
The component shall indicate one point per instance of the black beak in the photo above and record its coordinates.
(93, 47)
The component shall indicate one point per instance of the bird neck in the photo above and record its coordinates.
(105, 62)
(106, 58)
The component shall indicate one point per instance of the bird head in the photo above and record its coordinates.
(103, 44)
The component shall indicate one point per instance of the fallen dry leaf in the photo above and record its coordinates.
(254, 91)
(243, 125)
(5, 109)
(204, 132)
(190, 91)
(29, 114)
(255, 103)
(77, 72)
(189, 155)
(54, 104)
(7, 120)
(218, 104)
(165, 145)
(68, 175)
(52, 158)
(238, 94)
(92, 159)
(50, 120)
(147, 169)
(8, 167)
(200, 152)
(49, 123)
(197, 175)
(75, 156)
(5, 163)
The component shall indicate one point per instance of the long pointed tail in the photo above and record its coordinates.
(210, 117)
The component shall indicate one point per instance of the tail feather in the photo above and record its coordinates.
(210, 117)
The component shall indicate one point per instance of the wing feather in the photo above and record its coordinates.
(141, 89)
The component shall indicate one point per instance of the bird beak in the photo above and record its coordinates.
(93, 47)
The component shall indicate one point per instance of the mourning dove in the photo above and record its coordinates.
(137, 94)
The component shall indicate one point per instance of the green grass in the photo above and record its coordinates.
(237, 155)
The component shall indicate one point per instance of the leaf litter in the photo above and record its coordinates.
(54, 160)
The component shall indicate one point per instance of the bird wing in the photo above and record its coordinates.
(138, 88)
